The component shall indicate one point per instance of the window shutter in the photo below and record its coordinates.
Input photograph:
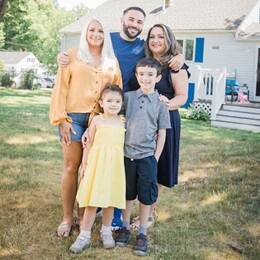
(199, 50)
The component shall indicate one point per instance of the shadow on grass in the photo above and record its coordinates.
(204, 216)
(216, 203)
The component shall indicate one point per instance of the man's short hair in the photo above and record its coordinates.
(151, 63)
(136, 8)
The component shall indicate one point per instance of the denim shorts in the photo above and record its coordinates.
(79, 124)
(141, 179)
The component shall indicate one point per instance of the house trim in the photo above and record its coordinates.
(257, 99)
(250, 39)
(204, 30)
(63, 32)
(246, 22)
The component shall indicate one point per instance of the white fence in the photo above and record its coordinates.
(210, 86)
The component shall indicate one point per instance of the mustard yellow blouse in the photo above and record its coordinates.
(77, 88)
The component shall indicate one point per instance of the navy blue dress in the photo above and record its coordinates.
(168, 165)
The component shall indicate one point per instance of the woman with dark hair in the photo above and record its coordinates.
(173, 88)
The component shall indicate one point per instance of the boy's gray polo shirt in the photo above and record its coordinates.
(145, 115)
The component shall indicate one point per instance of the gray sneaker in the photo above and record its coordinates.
(108, 240)
(141, 245)
(123, 236)
(82, 242)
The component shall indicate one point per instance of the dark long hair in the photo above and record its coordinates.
(172, 47)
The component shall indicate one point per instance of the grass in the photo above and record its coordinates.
(212, 214)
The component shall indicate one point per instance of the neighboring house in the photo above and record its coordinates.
(219, 38)
(17, 62)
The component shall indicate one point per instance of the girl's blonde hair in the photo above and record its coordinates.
(108, 58)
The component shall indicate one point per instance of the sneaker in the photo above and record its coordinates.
(123, 236)
(108, 240)
(141, 245)
(82, 242)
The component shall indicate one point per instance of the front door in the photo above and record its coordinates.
(257, 87)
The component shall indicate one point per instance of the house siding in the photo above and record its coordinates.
(220, 50)
(69, 41)
(25, 64)
(252, 17)
(238, 57)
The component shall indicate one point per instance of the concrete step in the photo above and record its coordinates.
(232, 125)
(239, 114)
(245, 109)
(239, 120)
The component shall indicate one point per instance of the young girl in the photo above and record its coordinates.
(104, 170)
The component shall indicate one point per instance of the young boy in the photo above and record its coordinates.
(146, 121)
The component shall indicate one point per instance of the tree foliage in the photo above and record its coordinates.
(3, 4)
(33, 25)
(6, 80)
(27, 79)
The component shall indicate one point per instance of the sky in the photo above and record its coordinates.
(69, 4)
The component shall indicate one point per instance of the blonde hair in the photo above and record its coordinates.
(108, 58)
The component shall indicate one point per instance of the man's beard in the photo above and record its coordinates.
(129, 35)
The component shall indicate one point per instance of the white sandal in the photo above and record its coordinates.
(64, 229)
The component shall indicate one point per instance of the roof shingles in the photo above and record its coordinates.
(12, 57)
(181, 15)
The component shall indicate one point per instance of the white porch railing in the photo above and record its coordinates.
(210, 86)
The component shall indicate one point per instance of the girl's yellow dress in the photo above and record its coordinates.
(103, 184)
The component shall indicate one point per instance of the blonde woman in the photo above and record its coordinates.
(77, 89)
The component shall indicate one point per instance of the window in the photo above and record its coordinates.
(187, 46)
(30, 59)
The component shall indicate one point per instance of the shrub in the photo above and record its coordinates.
(196, 114)
(27, 79)
(6, 80)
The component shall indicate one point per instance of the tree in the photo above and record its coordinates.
(33, 25)
(6, 80)
(17, 25)
(2, 35)
(27, 79)
(3, 4)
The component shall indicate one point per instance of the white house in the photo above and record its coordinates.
(219, 38)
(17, 62)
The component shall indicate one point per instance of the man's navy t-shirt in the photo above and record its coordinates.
(128, 54)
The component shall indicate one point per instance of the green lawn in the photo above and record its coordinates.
(214, 213)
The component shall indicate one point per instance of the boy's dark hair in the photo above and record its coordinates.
(136, 8)
(151, 63)
(111, 88)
